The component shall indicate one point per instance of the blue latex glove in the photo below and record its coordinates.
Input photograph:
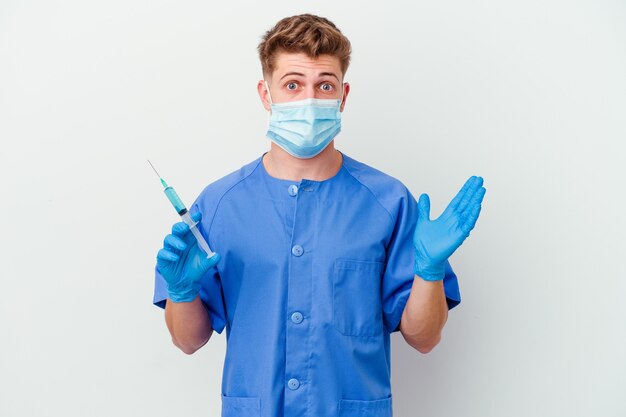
(436, 240)
(182, 263)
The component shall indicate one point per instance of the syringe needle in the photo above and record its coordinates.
(153, 168)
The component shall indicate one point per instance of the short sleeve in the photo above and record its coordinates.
(398, 275)
(211, 292)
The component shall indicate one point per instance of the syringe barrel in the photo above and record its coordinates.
(174, 199)
(199, 238)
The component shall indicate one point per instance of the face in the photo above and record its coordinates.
(297, 76)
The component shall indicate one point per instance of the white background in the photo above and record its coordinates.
(531, 95)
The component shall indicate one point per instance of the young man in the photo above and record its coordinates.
(321, 256)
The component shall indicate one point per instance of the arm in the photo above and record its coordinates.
(426, 310)
(424, 315)
(189, 324)
(182, 264)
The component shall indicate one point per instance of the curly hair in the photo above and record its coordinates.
(305, 33)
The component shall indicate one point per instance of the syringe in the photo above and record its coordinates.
(184, 214)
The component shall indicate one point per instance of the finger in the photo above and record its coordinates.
(476, 199)
(423, 207)
(180, 229)
(212, 261)
(173, 241)
(470, 222)
(476, 184)
(196, 217)
(457, 199)
(167, 256)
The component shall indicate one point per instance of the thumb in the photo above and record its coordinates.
(209, 263)
(197, 216)
(423, 207)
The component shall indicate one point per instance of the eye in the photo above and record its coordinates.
(292, 86)
(327, 87)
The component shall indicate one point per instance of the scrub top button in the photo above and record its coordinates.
(293, 190)
(297, 250)
(293, 383)
(296, 317)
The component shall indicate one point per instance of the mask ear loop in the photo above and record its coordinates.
(342, 93)
(267, 88)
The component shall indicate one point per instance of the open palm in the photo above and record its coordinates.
(435, 240)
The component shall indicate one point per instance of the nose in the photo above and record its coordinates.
(310, 91)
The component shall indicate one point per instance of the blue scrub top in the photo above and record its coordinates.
(314, 277)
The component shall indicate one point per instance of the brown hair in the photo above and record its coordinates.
(307, 33)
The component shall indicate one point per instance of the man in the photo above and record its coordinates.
(321, 256)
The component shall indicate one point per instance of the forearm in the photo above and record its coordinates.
(424, 315)
(189, 324)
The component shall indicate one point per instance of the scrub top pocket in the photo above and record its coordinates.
(241, 406)
(359, 408)
(357, 306)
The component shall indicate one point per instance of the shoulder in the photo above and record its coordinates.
(390, 192)
(209, 198)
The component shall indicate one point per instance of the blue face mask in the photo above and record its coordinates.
(304, 128)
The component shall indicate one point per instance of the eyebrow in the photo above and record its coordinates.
(321, 74)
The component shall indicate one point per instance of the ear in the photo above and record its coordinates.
(346, 90)
(263, 95)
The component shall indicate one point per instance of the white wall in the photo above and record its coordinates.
(531, 95)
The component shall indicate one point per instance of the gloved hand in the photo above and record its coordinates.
(436, 240)
(182, 263)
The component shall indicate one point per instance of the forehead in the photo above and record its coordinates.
(286, 62)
